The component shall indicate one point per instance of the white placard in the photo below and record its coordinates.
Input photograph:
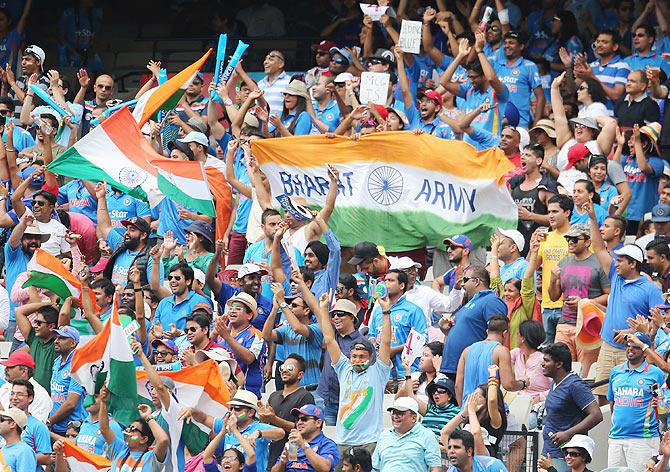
(374, 87)
(376, 11)
(410, 36)
(413, 346)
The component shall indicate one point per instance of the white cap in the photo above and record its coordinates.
(343, 77)
(515, 236)
(633, 251)
(583, 441)
(247, 269)
(38, 52)
(524, 137)
(199, 275)
(404, 404)
(195, 137)
(402, 263)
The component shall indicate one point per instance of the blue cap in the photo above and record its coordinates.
(309, 410)
(27, 172)
(341, 51)
(642, 337)
(512, 114)
(459, 240)
(660, 213)
(67, 332)
(168, 343)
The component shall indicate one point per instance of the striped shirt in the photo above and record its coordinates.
(613, 73)
(274, 92)
(438, 416)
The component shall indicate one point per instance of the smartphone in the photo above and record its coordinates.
(381, 290)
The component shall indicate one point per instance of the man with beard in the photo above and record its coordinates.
(23, 240)
(469, 322)
(43, 206)
(609, 69)
(66, 394)
(172, 311)
(458, 252)
(658, 257)
(194, 103)
(260, 253)
(131, 249)
(461, 454)
(282, 402)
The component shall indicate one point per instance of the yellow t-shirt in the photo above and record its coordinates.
(552, 250)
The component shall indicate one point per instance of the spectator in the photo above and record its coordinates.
(553, 247)
(658, 257)
(262, 19)
(459, 248)
(43, 206)
(90, 437)
(326, 110)
(660, 217)
(315, 450)
(632, 388)
(635, 107)
(275, 81)
(103, 89)
(35, 433)
(21, 366)
(344, 315)
(245, 341)
(593, 99)
(405, 317)
(478, 359)
(66, 394)
(578, 277)
(527, 361)
(609, 69)
(357, 459)
(17, 454)
(571, 408)
(321, 52)
(578, 453)
(461, 454)
(565, 41)
(521, 77)
(509, 245)
(282, 403)
(408, 444)
(606, 191)
(172, 311)
(40, 337)
(532, 191)
(294, 119)
(13, 34)
(644, 56)
(193, 105)
(469, 322)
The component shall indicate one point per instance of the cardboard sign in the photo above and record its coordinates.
(413, 346)
(376, 11)
(374, 87)
(410, 36)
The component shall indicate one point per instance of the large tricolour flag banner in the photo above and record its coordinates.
(80, 460)
(109, 354)
(167, 96)
(397, 189)
(115, 151)
(185, 182)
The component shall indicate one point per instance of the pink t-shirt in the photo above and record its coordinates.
(531, 369)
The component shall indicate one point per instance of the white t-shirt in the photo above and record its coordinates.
(56, 244)
(39, 408)
(593, 110)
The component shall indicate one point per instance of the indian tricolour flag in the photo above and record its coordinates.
(185, 182)
(200, 386)
(167, 95)
(48, 272)
(396, 189)
(115, 151)
(80, 460)
(109, 354)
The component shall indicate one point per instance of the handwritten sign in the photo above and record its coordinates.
(374, 87)
(413, 346)
(410, 36)
(376, 11)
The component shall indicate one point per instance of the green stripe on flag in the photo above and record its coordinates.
(170, 103)
(72, 164)
(206, 207)
(50, 282)
(407, 230)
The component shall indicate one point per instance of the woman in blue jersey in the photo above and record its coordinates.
(598, 174)
(294, 119)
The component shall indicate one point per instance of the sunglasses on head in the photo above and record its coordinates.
(74, 424)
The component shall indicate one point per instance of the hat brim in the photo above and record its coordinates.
(356, 260)
(243, 302)
(400, 408)
(43, 237)
(550, 132)
(127, 223)
(243, 403)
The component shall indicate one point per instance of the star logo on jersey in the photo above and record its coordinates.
(516, 72)
(640, 382)
(126, 201)
(330, 116)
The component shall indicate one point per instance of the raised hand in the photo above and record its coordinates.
(463, 48)
(154, 67)
(429, 15)
(83, 78)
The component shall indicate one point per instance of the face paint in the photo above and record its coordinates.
(242, 416)
(362, 365)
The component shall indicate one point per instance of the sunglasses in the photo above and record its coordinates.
(103, 87)
(337, 60)
(374, 62)
(5, 418)
(441, 390)
(398, 412)
(192, 329)
(287, 368)
(453, 247)
(74, 424)
(39, 203)
(304, 418)
(340, 84)
(573, 453)
(238, 408)
(467, 279)
(5, 112)
(134, 429)
(574, 239)
(583, 87)
(162, 353)
(174, 277)
(339, 314)
(40, 322)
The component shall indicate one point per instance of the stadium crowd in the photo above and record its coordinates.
(566, 313)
